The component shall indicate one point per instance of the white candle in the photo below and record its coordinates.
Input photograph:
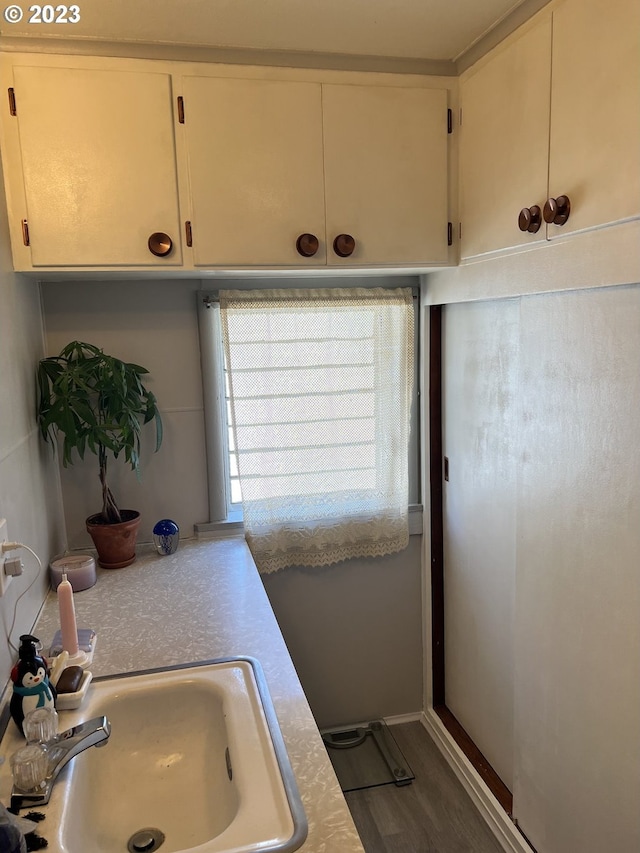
(68, 626)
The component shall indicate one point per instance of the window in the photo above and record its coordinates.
(316, 419)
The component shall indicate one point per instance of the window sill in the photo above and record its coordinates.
(233, 525)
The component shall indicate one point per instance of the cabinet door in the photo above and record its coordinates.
(255, 169)
(595, 111)
(99, 165)
(504, 141)
(386, 173)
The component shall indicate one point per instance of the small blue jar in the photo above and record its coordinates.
(166, 536)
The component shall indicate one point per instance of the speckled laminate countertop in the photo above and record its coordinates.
(207, 601)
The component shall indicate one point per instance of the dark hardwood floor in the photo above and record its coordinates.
(432, 815)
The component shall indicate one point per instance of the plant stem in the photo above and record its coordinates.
(110, 511)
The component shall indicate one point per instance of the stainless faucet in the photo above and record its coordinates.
(60, 750)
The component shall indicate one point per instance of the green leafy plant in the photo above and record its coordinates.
(98, 403)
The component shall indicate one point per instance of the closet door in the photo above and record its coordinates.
(479, 365)
(577, 643)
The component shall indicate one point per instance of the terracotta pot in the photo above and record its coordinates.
(115, 543)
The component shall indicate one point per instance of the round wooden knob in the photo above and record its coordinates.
(307, 245)
(530, 219)
(344, 245)
(556, 210)
(160, 244)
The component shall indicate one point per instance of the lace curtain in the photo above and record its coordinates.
(320, 385)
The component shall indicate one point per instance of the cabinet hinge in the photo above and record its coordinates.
(188, 233)
(180, 109)
(449, 121)
(25, 232)
(449, 233)
(12, 101)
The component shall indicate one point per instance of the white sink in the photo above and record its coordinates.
(195, 752)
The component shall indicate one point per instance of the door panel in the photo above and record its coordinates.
(385, 154)
(595, 118)
(255, 169)
(99, 165)
(504, 142)
(480, 365)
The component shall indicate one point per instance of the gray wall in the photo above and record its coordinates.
(29, 485)
(354, 633)
(353, 630)
(152, 323)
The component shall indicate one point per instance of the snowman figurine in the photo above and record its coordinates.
(31, 687)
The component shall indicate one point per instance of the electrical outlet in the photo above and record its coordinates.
(5, 580)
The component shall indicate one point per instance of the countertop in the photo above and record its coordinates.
(207, 601)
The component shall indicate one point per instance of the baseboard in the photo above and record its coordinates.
(398, 719)
(490, 809)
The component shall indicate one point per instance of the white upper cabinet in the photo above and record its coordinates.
(595, 112)
(552, 114)
(254, 151)
(267, 158)
(504, 142)
(99, 167)
(385, 156)
(232, 168)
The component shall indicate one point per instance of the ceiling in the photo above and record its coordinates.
(424, 30)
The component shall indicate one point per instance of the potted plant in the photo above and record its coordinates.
(98, 403)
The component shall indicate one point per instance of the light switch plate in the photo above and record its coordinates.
(4, 537)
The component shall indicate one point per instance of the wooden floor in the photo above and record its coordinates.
(432, 815)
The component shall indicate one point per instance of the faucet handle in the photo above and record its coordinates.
(29, 766)
(40, 725)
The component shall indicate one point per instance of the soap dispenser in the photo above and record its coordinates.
(30, 677)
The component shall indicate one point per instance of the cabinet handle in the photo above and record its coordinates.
(530, 219)
(344, 245)
(556, 210)
(307, 245)
(160, 244)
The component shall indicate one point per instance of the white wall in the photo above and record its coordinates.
(29, 485)
(547, 393)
